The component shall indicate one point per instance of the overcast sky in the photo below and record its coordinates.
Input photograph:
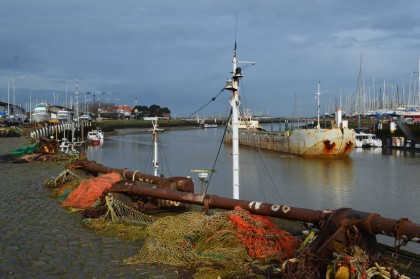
(178, 53)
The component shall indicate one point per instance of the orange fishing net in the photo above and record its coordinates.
(90, 190)
(262, 236)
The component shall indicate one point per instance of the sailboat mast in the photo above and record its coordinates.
(318, 126)
(77, 101)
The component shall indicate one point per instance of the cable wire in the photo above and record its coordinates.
(212, 99)
(217, 156)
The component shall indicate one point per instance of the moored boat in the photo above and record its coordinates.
(338, 141)
(64, 116)
(203, 124)
(95, 136)
(367, 140)
(40, 113)
(246, 122)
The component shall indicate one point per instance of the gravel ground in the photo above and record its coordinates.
(38, 239)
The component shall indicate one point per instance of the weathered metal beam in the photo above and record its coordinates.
(184, 184)
(372, 223)
(400, 229)
(214, 201)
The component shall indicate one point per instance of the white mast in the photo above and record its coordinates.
(155, 162)
(67, 106)
(318, 126)
(77, 102)
(233, 85)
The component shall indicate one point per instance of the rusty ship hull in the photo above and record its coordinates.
(310, 143)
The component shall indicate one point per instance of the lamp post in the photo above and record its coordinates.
(30, 104)
(8, 98)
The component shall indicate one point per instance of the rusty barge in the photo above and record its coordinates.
(336, 142)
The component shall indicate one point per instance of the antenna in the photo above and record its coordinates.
(236, 25)
(202, 175)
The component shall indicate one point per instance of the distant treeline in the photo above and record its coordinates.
(153, 110)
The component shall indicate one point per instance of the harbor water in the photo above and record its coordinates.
(371, 180)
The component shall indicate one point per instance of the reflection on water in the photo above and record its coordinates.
(371, 180)
(376, 150)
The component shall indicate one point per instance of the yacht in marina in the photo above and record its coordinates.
(40, 113)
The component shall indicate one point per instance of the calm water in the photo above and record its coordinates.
(370, 180)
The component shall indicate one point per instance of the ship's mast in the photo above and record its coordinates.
(233, 85)
(155, 162)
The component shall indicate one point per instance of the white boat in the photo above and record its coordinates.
(85, 117)
(40, 113)
(63, 116)
(203, 124)
(207, 125)
(367, 140)
(95, 135)
(248, 123)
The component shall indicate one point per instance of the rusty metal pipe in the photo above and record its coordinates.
(92, 166)
(184, 184)
(213, 201)
(400, 229)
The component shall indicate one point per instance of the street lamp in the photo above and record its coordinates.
(30, 104)
(8, 101)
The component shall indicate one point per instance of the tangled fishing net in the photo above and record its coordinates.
(30, 149)
(74, 191)
(230, 239)
(119, 212)
(62, 179)
(86, 194)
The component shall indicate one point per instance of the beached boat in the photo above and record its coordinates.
(40, 113)
(367, 140)
(317, 142)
